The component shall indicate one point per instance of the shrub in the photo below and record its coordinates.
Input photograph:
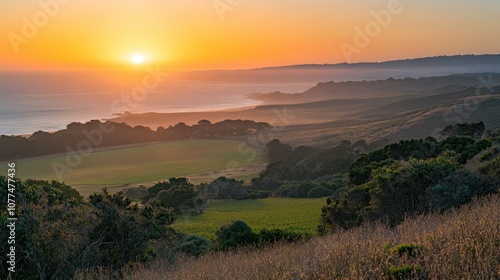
(193, 245)
(404, 272)
(319, 192)
(233, 235)
(409, 249)
(138, 193)
(457, 189)
(492, 168)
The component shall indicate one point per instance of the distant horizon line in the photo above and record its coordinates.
(84, 69)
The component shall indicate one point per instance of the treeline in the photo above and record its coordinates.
(416, 177)
(104, 134)
(306, 171)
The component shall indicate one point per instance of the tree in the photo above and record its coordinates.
(457, 189)
(178, 198)
(193, 245)
(52, 227)
(121, 235)
(233, 235)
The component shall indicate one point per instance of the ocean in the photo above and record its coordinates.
(48, 101)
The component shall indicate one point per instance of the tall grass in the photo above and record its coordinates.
(462, 244)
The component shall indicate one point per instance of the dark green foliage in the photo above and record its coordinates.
(397, 181)
(347, 212)
(400, 256)
(277, 151)
(492, 168)
(319, 192)
(50, 229)
(224, 188)
(301, 163)
(474, 130)
(465, 146)
(404, 272)
(234, 235)
(489, 154)
(136, 193)
(193, 245)
(393, 193)
(56, 190)
(122, 233)
(294, 189)
(362, 174)
(178, 198)
(164, 216)
(58, 233)
(177, 194)
(166, 185)
(238, 233)
(320, 187)
(411, 250)
(457, 189)
(360, 170)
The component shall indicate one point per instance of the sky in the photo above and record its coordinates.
(237, 34)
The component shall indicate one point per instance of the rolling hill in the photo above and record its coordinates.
(384, 110)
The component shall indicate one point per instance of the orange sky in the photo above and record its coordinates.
(192, 34)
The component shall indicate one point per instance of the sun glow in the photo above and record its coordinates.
(138, 58)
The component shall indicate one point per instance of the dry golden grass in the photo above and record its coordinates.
(463, 244)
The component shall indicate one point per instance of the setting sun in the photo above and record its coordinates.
(137, 58)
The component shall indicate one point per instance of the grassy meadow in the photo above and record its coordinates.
(117, 167)
(461, 244)
(290, 214)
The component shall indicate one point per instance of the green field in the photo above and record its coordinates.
(290, 214)
(118, 167)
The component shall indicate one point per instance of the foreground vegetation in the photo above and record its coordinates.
(391, 213)
(293, 215)
(460, 244)
(417, 176)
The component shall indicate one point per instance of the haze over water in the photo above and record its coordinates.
(48, 101)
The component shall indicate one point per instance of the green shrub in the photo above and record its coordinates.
(233, 235)
(457, 189)
(193, 245)
(412, 250)
(492, 168)
(137, 193)
(404, 272)
(319, 192)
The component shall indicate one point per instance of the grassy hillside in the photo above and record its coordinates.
(140, 164)
(297, 215)
(386, 110)
(462, 244)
